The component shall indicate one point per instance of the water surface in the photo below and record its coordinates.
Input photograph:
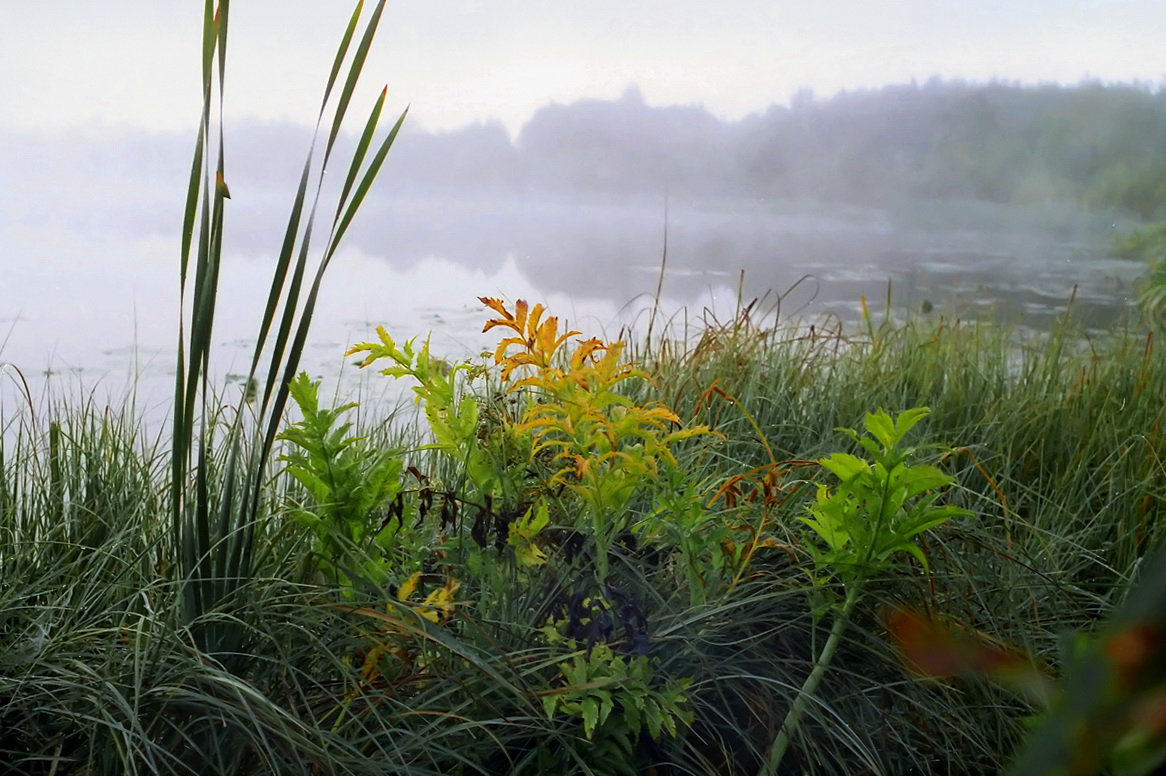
(91, 303)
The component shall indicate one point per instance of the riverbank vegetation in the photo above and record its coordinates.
(573, 562)
(750, 548)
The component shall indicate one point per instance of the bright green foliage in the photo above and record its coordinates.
(600, 683)
(878, 507)
(877, 510)
(565, 448)
(1149, 245)
(601, 445)
(348, 480)
(452, 414)
(704, 542)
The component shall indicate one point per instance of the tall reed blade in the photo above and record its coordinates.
(287, 248)
(215, 503)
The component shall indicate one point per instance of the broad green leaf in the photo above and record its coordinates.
(844, 465)
(835, 536)
(922, 478)
(550, 703)
(881, 427)
(930, 518)
(909, 547)
(907, 420)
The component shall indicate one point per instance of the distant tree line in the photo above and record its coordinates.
(1101, 146)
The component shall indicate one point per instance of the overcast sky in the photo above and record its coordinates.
(118, 63)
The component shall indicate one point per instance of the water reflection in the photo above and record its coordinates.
(1024, 271)
(101, 311)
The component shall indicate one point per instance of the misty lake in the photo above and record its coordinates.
(95, 309)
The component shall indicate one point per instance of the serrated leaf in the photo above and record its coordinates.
(589, 708)
(550, 704)
(633, 715)
(669, 724)
(652, 715)
(606, 705)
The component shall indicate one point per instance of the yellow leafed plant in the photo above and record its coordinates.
(606, 446)
(439, 604)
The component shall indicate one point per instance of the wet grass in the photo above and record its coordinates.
(189, 605)
(1057, 447)
(1057, 452)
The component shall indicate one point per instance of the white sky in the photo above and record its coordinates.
(73, 64)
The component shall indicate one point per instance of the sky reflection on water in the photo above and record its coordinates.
(99, 315)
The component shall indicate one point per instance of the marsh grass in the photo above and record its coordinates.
(1057, 449)
(162, 608)
(1057, 453)
(98, 674)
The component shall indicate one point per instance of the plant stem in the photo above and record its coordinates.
(793, 717)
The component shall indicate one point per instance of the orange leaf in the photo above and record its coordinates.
(1132, 649)
(520, 312)
(584, 351)
(507, 320)
(940, 649)
(531, 325)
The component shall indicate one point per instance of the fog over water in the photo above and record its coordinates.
(577, 211)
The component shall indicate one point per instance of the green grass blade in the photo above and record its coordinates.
(279, 278)
(191, 521)
(191, 207)
(292, 366)
(183, 397)
(210, 36)
(358, 60)
(287, 250)
(365, 183)
(361, 149)
(341, 52)
(221, 18)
